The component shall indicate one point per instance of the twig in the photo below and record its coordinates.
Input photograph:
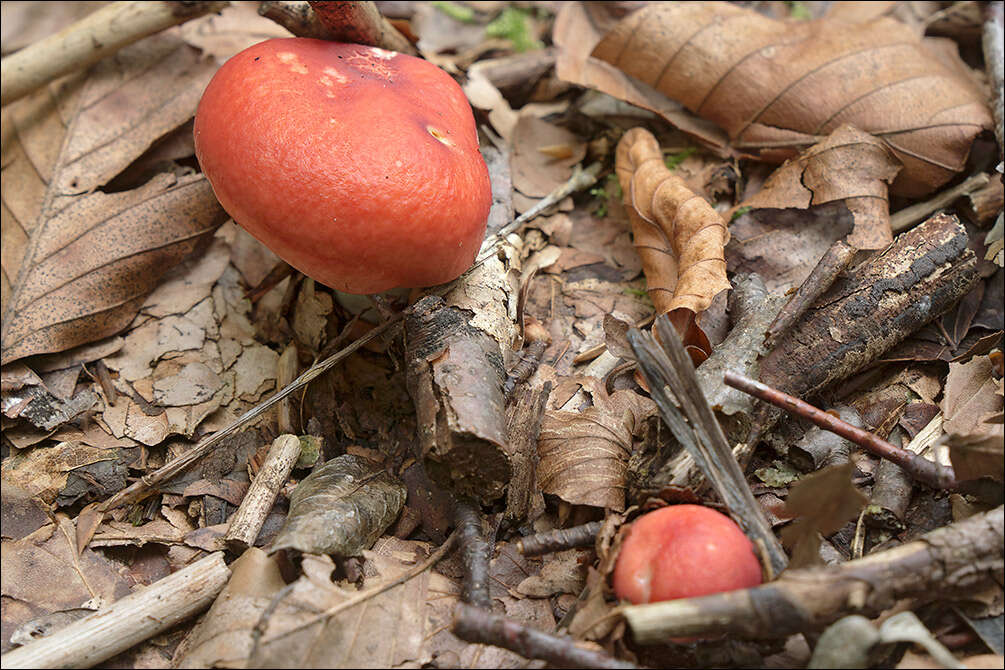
(146, 484)
(909, 216)
(599, 367)
(89, 40)
(286, 372)
(363, 596)
(994, 60)
(591, 353)
(559, 539)
(128, 621)
(481, 626)
(474, 554)
(360, 23)
(297, 17)
(248, 520)
(955, 560)
(670, 373)
(831, 264)
(920, 468)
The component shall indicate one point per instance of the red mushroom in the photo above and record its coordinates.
(358, 166)
(683, 551)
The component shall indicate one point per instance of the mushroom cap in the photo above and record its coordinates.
(358, 166)
(683, 551)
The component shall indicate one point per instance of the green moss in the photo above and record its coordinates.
(740, 212)
(673, 160)
(455, 11)
(799, 11)
(512, 24)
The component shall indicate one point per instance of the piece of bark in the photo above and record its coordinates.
(954, 561)
(475, 553)
(455, 375)
(360, 23)
(128, 621)
(297, 17)
(869, 310)
(524, 413)
(250, 516)
(891, 495)
(819, 448)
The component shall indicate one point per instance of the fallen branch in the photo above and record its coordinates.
(909, 216)
(89, 40)
(952, 561)
(128, 621)
(250, 516)
(474, 554)
(559, 539)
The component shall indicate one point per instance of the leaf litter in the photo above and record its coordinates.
(115, 253)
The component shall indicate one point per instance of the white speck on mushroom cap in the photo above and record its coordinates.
(293, 60)
(381, 53)
(336, 75)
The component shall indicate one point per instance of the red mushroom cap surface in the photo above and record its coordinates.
(358, 166)
(683, 551)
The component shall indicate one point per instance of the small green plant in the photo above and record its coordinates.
(602, 195)
(512, 24)
(673, 160)
(455, 11)
(740, 212)
(799, 11)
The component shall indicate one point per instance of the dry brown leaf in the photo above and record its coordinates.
(584, 455)
(536, 174)
(91, 266)
(778, 86)
(678, 235)
(971, 395)
(824, 501)
(850, 167)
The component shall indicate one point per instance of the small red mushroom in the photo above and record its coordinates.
(683, 551)
(358, 166)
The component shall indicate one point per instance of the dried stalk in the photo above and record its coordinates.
(920, 468)
(909, 216)
(994, 59)
(250, 516)
(146, 484)
(286, 372)
(89, 40)
(670, 373)
(474, 554)
(559, 539)
(481, 626)
(128, 621)
(952, 561)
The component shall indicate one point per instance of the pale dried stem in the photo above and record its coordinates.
(250, 516)
(909, 216)
(128, 621)
(89, 40)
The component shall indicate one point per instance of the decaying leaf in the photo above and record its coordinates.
(584, 455)
(824, 501)
(341, 508)
(777, 86)
(972, 406)
(90, 267)
(678, 235)
(851, 167)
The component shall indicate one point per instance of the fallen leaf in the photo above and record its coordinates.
(970, 395)
(850, 167)
(824, 501)
(535, 173)
(778, 86)
(341, 508)
(678, 235)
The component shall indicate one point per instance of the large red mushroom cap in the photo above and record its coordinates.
(683, 551)
(358, 166)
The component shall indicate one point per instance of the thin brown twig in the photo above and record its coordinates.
(920, 468)
(474, 554)
(559, 539)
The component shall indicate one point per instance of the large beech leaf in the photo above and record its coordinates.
(851, 167)
(678, 235)
(341, 508)
(777, 86)
(90, 267)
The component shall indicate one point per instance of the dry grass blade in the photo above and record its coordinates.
(678, 235)
(776, 87)
(671, 376)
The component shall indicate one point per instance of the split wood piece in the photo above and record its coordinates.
(910, 215)
(920, 468)
(481, 626)
(560, 539)
(993, 42)
(834, 261)
(524, 413)
(952, 561)
(360, 23)
(869, 310)
(148, 483)
(128, 621)
(455, 374)
(286, 372)
(250, 516)
(474, 554)
(668, 370)
(89, 40)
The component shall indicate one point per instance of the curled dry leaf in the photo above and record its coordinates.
(341, 508)
(678, 235)
(850, 166)
(584, 455)
(777, 86)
